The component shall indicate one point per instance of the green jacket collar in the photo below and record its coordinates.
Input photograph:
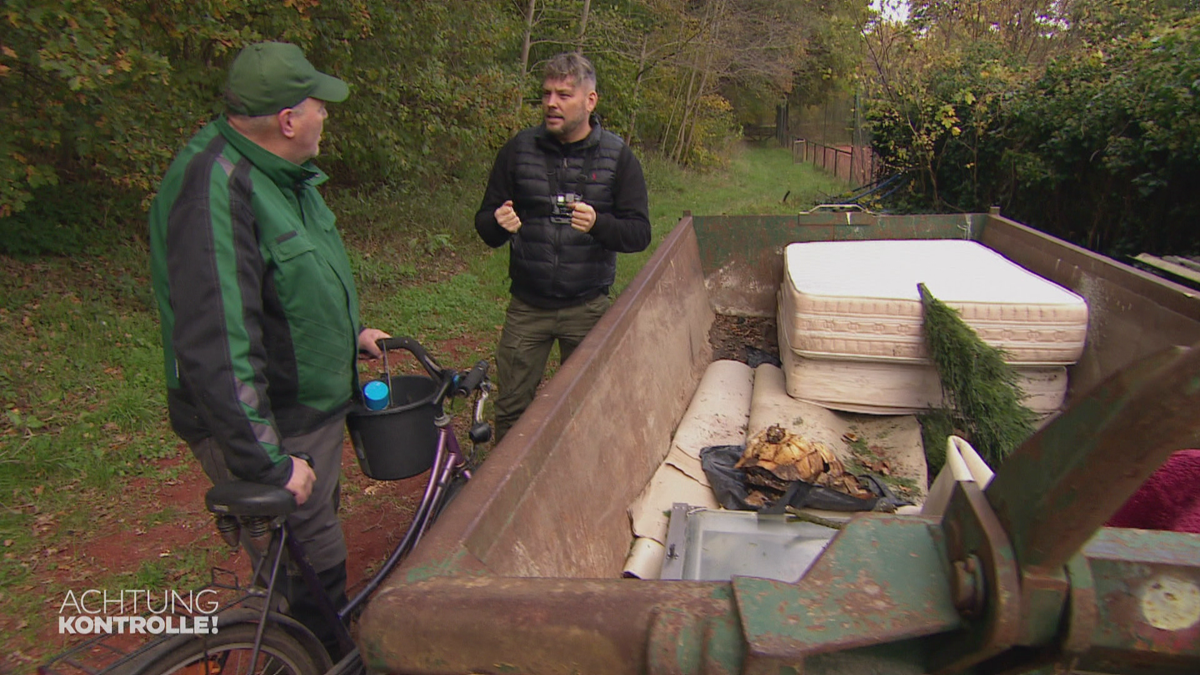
(283, 173)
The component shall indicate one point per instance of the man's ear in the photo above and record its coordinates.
(592, 98)
(286, 118)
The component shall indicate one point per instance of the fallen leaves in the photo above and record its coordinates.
(43, 524)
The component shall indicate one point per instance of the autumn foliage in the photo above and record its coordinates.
(96, 96)
(1080, 118)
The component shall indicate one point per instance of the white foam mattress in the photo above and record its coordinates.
(858, 300)
(898, 388)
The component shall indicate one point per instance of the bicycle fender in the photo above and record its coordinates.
(233, 617)
(311, 644)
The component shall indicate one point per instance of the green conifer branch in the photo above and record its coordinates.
(980, 387)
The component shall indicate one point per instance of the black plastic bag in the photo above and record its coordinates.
(729, 487)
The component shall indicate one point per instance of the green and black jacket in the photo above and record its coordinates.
(257, 301)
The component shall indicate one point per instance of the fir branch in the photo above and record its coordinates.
(980, 387)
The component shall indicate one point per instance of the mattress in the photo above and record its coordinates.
(898, 388)
(858, 300)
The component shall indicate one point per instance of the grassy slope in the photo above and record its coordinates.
(80, 366)
(472, 301)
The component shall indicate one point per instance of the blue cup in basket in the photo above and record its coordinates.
(375, 395)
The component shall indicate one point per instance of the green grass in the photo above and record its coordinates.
(181, 570)
(80, 380)
(82, 406)
(754, 183)
(80, 384)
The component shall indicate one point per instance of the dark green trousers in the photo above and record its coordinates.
(529, 334)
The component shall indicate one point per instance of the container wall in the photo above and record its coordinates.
(742, 256)
(551, 499)
(1131, 313)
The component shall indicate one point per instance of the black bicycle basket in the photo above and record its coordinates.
(399, 441)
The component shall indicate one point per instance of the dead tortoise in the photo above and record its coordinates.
(775, 457)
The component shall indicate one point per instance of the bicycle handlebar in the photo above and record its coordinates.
(453, 384)
(415, 348)
(471, 381)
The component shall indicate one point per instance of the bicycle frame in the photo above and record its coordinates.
(282, 539)
(449, 465)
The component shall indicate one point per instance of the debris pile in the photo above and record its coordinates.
(776, 457)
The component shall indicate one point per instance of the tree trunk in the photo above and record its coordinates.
(637, 89)
(688, 130)
(587, 5)
(690, 140)
(677, 152)
(667, 129)
(524, 63)
(676, 100)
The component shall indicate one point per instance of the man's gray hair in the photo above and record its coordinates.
(256, 125)
(571, 66)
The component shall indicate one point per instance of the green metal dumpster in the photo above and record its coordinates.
(521, 572)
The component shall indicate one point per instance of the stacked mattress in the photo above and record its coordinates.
(850, 321)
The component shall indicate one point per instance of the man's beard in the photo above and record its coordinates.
(568, 127)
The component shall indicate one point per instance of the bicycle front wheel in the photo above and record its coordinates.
(228, 653)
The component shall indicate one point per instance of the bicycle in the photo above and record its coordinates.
(253, 637)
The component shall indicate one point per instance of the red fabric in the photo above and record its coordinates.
(1168, 500)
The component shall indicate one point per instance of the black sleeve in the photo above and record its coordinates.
(499, 190)
(627, 228)
(215, 275)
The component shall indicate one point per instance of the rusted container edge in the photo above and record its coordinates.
(1148, 600)
(584, 421)
(1064, 262)
(1132, 313)
(497, 625)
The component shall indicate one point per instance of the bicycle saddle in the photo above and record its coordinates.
(243, 498)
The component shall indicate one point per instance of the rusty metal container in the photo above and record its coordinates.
(520, 574)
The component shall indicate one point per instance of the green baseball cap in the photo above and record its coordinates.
(269, 76)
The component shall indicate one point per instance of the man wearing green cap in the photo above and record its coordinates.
(260, 323)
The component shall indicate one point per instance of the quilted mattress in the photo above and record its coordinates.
(898, 388)
(858, 300)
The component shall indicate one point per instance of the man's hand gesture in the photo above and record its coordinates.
(508, 218)
(583, 217)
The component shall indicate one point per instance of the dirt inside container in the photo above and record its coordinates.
(749, 339)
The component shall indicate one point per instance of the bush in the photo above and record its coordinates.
(1100, 147)
(1108, 147)
(105, 93)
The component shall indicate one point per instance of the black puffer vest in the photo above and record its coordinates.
(551, 264)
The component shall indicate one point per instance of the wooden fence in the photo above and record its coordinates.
(854, 164)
